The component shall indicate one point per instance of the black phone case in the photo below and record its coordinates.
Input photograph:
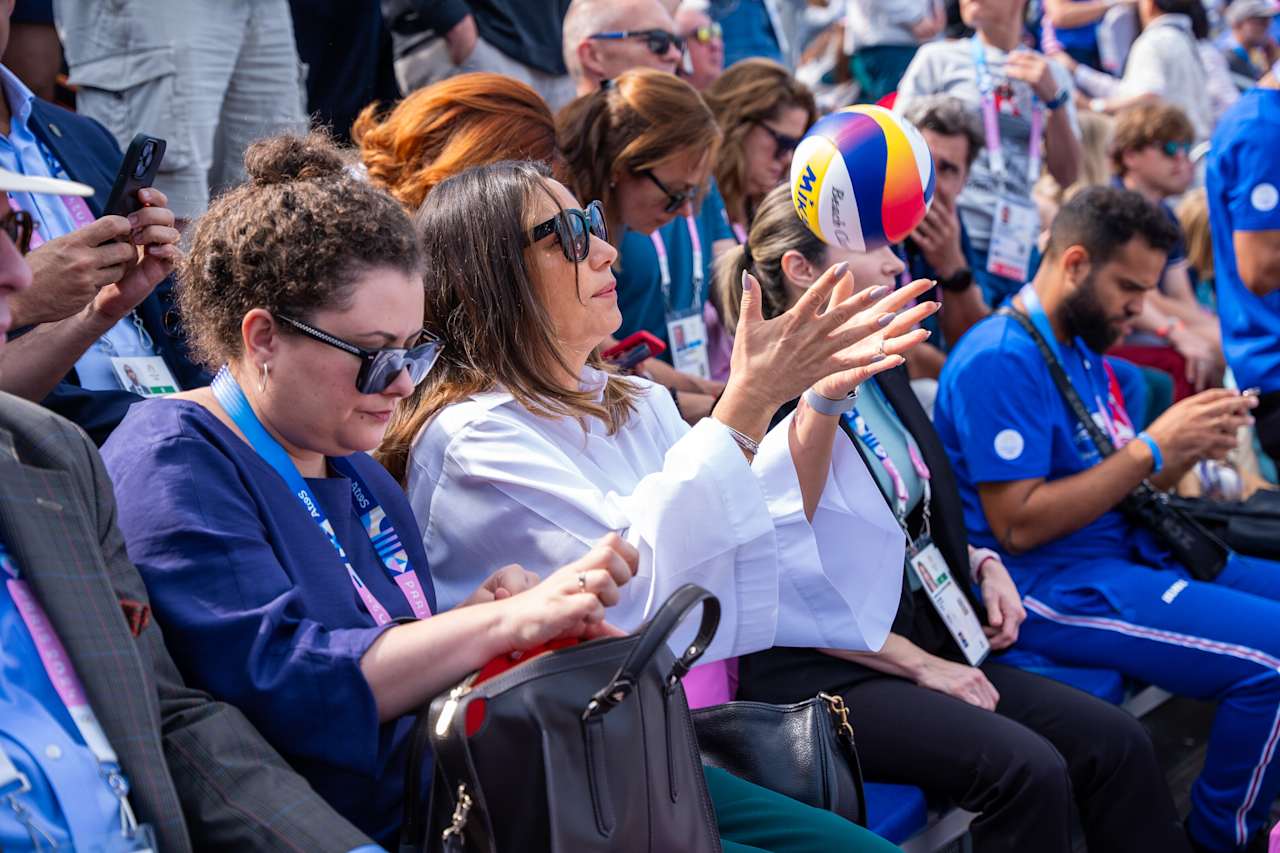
(137, 171)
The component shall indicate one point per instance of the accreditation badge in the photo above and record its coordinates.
(146, 376)
(949, 600)
(1014, 232)
(687, 334)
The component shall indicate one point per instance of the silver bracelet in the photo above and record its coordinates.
(826, 406)
(743, 440)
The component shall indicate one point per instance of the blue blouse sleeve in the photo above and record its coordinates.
(231, 613)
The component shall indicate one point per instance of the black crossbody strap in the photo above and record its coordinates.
(1100, 439)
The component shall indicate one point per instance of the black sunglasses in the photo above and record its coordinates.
(658, 41)
(1171, 149)
(378, 367)
(19, 225)
(675, 201)
(782, 143)
(574, 229)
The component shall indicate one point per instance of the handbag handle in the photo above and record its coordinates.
(651, 638)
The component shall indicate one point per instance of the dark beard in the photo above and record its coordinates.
(1085, 318)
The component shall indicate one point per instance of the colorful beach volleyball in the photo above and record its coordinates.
(861, 178)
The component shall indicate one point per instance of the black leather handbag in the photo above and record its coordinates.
(805, 751)
(587, 748)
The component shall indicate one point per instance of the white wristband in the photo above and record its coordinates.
(826, 406)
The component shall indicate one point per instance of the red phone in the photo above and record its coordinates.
(634, 349)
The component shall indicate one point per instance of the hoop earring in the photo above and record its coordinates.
(262, 379)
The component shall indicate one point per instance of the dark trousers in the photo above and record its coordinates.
(1267, 416)
(1009, 766)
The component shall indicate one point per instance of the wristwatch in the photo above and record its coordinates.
(957, 281)
(1064, 95)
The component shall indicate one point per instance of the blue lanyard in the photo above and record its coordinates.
(382, 533)
(1040, 319)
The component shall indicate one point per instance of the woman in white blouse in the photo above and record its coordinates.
(522, 445)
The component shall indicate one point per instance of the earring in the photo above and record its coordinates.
(262, 380)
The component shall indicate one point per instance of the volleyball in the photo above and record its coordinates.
(862, 178)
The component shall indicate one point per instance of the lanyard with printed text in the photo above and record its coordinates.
(664, 265)
(991, 119)
(901, 495)
(381, 532)
(66, 683)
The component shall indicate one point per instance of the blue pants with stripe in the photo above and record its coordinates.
(1218, 641)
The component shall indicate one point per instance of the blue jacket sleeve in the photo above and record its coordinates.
(230, 610)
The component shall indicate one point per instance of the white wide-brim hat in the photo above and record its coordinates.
(13, 182)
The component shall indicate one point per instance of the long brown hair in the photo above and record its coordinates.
(750, 92)
(638, 121)
(441, 129)
(483, 304)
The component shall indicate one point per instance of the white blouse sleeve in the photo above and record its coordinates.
(490, 488)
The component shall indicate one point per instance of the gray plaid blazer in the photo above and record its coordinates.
(201, 774)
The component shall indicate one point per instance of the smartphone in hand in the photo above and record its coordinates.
(137, 171)
(628, 353)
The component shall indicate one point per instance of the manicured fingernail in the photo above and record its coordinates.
(877, 357)
(840, 269)
(133, 219)
(746, 280)
(885, 319)
(877, 292)
(927, 334)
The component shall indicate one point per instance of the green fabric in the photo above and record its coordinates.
(887, 427)
(754, 819)
(1159, 393)
(879, 69)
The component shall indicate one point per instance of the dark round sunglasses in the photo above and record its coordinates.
(378, 367)
(1173, 149)
(675, 201)
(573, 229)
(783, 145)
(19, 226)
(658, 41)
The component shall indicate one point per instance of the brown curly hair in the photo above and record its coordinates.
(290, 240)
(750, 92)
(441, 129)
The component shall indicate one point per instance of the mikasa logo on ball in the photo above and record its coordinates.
(862, 178)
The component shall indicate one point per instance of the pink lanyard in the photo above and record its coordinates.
(664, 265)
(991, 119)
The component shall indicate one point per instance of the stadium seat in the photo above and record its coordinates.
(895, 812)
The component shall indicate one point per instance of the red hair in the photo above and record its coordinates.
(442, 129)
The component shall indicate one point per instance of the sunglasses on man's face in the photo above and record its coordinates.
(1173, 149)
(574, 229)
(783, 145)
(658, 41)
(707, 34)
(675, 201)
(378, 367)
(19, 225)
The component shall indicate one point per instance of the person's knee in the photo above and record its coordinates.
(1036, 770)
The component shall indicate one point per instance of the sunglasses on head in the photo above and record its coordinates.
(378, 367)
(19, 225)
(658, 41)
(707, 34)
(574, 229)
(1172, 149)
(675, 201)
(782, 144)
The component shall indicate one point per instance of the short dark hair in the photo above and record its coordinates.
(1103, 219)
(947, 115)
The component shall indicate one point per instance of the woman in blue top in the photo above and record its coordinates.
(268, 539)
(1012, 746)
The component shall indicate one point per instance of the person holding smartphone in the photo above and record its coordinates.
(100, 291)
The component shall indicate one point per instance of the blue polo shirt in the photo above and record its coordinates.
(640, 297)
(1001, 418)
(1243, 185)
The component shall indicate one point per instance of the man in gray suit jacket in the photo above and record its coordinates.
(98, 731)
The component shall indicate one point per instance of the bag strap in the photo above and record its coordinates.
(651, 638)
(1100, 439)
(839, 713)
(459, 808)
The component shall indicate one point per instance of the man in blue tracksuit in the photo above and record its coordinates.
(1099, 590)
